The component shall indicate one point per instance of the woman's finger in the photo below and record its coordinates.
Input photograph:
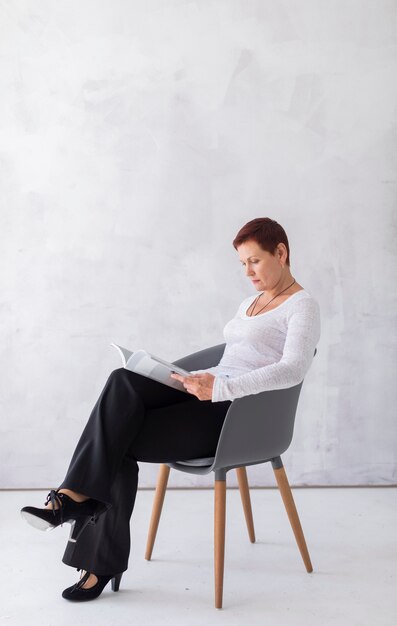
(177, 376)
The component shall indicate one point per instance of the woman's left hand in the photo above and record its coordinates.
(199, 385)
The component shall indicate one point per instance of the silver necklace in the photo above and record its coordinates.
(264, 307)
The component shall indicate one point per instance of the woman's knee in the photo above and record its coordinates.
(123, 385)
(117, 373)
(121, 375)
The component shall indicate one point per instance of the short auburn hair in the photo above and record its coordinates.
(266, 232)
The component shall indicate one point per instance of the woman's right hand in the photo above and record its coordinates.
(199, 385)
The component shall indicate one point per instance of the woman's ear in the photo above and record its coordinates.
(281, 251)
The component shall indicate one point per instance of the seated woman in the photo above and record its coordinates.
(270, 344)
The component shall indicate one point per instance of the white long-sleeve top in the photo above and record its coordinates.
(272, 350)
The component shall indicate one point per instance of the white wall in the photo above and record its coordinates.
(136, 138)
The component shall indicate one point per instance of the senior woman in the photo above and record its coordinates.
(270, 344)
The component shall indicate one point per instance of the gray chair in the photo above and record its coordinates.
(257, 429)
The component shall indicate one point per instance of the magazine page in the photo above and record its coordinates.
(153, 367)
(146, 364)
(123, 352)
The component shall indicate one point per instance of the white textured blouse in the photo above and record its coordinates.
(272, 350)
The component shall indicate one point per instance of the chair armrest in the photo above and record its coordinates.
(257, 427)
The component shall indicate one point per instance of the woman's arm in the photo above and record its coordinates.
(302, 337)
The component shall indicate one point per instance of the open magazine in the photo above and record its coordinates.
(151, 366)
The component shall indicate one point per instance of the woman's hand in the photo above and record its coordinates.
(199, 385)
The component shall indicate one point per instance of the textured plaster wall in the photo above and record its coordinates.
(136, 138)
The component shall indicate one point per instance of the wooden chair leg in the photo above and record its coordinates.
(219, 539)
(246, 500)
(161, 487)
(286, 494)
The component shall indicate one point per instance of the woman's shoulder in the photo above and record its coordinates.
(304, 294)
(303, 302)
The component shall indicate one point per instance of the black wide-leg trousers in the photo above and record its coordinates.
(134, 419)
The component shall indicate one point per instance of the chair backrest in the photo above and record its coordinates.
(202, 359)
(257, 427)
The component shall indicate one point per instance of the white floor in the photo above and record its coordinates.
(351, 535)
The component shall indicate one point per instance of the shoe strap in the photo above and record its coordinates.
(56, 498)
(82, 581)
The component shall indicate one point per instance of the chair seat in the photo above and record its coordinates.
(204, 462)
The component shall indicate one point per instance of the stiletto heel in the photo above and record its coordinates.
(116, 582)
(77, 527)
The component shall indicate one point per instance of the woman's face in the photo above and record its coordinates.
(261, 267)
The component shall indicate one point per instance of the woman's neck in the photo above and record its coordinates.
(286, 281)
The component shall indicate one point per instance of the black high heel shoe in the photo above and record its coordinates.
(78, 514)
(78, 594)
